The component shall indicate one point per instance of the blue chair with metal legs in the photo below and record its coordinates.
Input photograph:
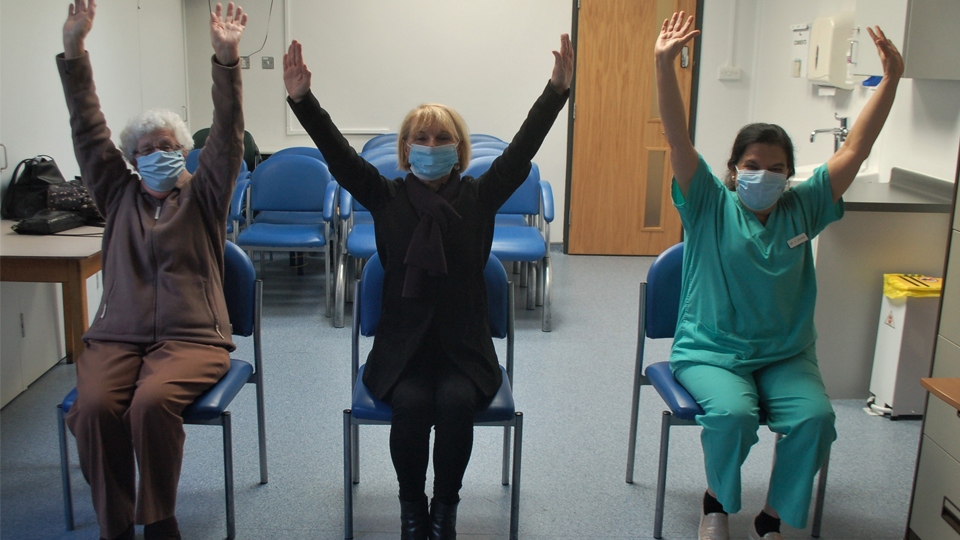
(366, 409)
(242, 290)
(659, 309)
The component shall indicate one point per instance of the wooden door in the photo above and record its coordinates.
(619, 202)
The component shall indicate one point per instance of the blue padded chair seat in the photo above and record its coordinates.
(213, 402)
(208, 405)
(518, 244)
(511, 220)
(681, 403)
(279, 216)
(297, 237)
(362, 243)
(366, 407)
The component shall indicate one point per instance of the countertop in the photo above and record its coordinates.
(947, 389)
(907, 191)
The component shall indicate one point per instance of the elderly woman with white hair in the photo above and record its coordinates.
(161, 335)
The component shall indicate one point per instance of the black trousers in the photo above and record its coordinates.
(432, 393)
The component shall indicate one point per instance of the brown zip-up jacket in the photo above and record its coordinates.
(162, 260)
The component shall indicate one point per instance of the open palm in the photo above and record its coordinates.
(78, 24)
(674, 34)
(225, 32)
(296, 76)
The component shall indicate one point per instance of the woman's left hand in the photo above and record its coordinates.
(889, 55)
(563, 65)
(225, 32)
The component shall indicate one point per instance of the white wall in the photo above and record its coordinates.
(922, 133)
(373, 61)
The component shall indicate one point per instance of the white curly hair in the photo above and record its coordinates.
(153, 120)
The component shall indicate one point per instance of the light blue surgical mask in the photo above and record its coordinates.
(432, 162)
(160, 170)
(759, 190)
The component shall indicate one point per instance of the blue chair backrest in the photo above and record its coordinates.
(289, 183)
(525, 200)
(385, 150)
(663, 293)
(309, 151)
(388, 166)
(487, 144)
(389, 139)
(370, 296)
(483, 151)
(239, 289)
(483, 137)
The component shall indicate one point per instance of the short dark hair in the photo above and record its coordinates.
(759, 133)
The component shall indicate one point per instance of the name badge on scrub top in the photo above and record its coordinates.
(797, 240)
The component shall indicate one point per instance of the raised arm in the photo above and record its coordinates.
(674, 34)
(844, 164)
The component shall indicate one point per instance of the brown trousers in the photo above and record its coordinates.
(129, 401)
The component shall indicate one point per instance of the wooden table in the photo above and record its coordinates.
(68, 260)
(947, 389)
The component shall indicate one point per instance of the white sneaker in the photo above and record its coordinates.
(754, 535)
(714, 527)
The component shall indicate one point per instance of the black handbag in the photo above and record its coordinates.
(27, 193)
(48, 222)
(73, 196)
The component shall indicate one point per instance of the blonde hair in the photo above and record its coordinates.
(150, 121)
(433, 114)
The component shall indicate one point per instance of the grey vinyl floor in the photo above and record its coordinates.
(573, 386)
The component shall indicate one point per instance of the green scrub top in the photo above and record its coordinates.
(748, 290)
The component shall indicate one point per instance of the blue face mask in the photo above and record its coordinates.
(432, 162)
(759, 190)
(161, 170)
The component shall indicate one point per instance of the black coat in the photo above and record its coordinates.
(452, 309)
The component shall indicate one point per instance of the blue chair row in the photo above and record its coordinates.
(366, 409)
(291, 208)
(389, 140)
(659, 309)
(242, 290)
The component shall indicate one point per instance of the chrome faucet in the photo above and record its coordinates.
(839, 134)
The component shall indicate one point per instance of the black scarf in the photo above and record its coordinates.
(425, 253)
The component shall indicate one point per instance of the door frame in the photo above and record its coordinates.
(572, 109)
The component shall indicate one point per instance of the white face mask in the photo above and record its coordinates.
(759, 190)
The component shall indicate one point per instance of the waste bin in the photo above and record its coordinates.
(905, 338)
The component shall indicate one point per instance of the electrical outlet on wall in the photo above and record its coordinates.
(729, 73)
(244, 62)
(266, 62)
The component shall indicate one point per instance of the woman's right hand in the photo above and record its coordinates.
(296, 76)
(78, 25)
(674, 34)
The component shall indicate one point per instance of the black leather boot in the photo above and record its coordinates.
(165, 529)
(443, 520)
(413, 519)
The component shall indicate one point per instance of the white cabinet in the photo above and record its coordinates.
(925, 32)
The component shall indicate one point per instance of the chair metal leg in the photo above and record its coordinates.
(355, 453)
(504, 476)
(523, 274)
(228, 475)
(261, 431)
(515, 491)
(662, 474)
(634, 420)
(821, 493)
(340, 298)
(347, 476)
(65, 470)
(328, 282)
(530, 271)
(547, 321)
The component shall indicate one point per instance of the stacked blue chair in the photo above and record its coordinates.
(366, 409)
(309, 151)
(522, 233)
(242, 290)
(291, 204)
(387, 139)
(659, 309)
(483, 137)
(383, 150)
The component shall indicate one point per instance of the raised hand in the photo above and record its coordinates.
(225, 33)
(563, 65)
(889, 55)
(296, 76)
(674, 34)
(78, 25)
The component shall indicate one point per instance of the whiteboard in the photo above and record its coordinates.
(372, 61)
